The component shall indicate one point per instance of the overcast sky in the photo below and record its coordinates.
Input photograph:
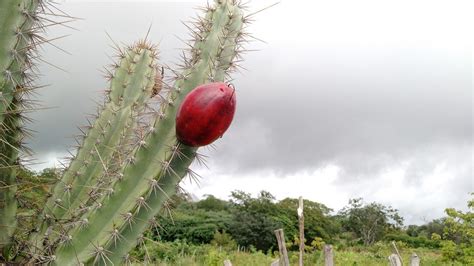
(344, 99)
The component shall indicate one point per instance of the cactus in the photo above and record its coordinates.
(18, 22)
(123, 171)
(87, 178)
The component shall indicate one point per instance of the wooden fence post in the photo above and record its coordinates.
(301, 226)
(398, 253)
(328, 256)
(394, 260)
(414, 260)
(282, 247)
(275, 263)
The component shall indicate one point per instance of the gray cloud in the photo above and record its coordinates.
(369, 106)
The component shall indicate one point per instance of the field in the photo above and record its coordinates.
(182, 254)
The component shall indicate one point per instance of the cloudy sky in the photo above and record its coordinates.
(344, 99)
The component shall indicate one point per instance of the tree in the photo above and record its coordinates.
(458, 243)
(413, 230)
(254, 220)
(211, 203)
(436, 226)
(369, 222)
(317, 222)
(187, 221)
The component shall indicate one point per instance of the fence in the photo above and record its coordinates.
(394, 259)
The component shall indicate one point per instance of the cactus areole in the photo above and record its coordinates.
(205, 114)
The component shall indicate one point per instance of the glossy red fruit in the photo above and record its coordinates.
(205, 114)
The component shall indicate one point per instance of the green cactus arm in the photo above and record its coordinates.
(10, 148)
(62, 188)
(131, 85)
(100, 220)
(229, 49)
(10, 20)
(123, 240)
(133, 82)
(152, 157)
(17, 18)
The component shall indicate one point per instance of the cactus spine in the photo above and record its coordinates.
(111, 191)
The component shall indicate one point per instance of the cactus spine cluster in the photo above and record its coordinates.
(123, 171)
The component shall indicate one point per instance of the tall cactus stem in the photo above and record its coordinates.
(10, 149)
(17, 20)
(130, 87)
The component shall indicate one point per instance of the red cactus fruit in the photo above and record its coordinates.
(205, 114)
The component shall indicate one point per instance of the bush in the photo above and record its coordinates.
(224, 240)
(414, 242)
(163, 251)
(457, 252)
(214, 257)
(194, 226)
(317, 244)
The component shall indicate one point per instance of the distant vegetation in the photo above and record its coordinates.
(210, 230)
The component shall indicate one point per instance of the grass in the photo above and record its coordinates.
(179, 253)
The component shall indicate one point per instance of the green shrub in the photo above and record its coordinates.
(224, 240)
(414, 242)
